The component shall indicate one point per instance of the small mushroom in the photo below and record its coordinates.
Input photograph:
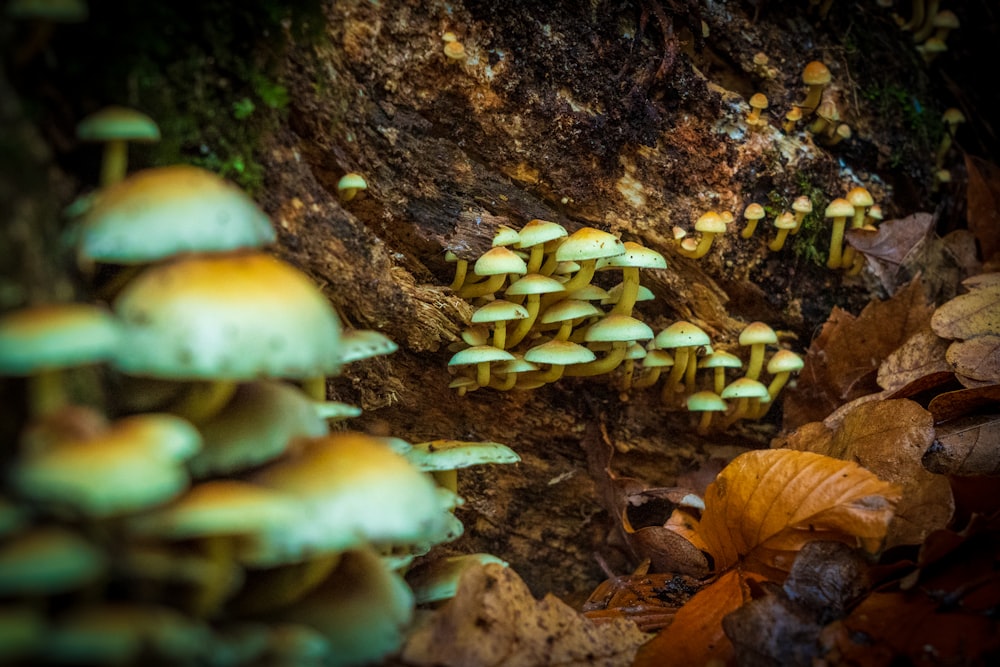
(838, 210)
(757, 336)
(802, 207)
(753, 214)
(705, 402)
(116, 126)
(816, 76)
(709, 224)
(784, 223)
(350, 185)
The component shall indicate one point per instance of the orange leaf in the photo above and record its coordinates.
(696, 637)
(766, 504)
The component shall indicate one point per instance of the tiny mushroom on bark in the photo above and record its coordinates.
(758, 102)
(793, 116)
(350, 185)
(753, 214)
(719, 361)
(757, 336)
(498, 313)
(653, 364)
(709, 224)
(586, 246)
(533, 237)
(495, 265)
(634, 258)
(816, 75)
(748, 394)
(860, 199)
(685, 338)
(116, 126)
(952, 117)
(784, 223)
(839, 210)
(480, 356)
(705, 402)
(802, 207)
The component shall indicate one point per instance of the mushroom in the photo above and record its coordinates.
(784, 223)
(780, 367)
(557, 354)
(816, 75)
(116, 126)
(839, 210)
(653, 364)
(719, 361)
(684, 338)
(454, 50)
(952, 117)
(753, 213)
(532, 286)
(705, 402)
(495, 265)
(757, 336)
(586, 245)
(480, 356)
(709, 224)
(533, 237)
(634, 258)
(350, 185)
(802, 207)
(566, 313)
(793, 116)
(443, 458)
(437, 580)
(758, 102)
(48, 560)
(614, 328)
(507, 373)
(744, 390)
(860, 199)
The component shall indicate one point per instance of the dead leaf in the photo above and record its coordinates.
(954, 404)
(767, 504)
(889, 438)
(976, 358)
(966, 446)
(961, 244)
(976, 313)
(842, 362)
(919, 362)
(894, 239)
(983, 201)
(696, 636)
(649, 600)
(494, 620)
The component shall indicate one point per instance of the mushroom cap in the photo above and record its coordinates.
(506, 236)
(499, 311)
(559, 352)
(682, 334)
(839, 208)
(785, 221)
(55, 336)
(516, 365)
(744, 388)
(816, 73)
(455, 454)
(657, 359)
(164, 211)
(48, 560)
(953, 116)
(757, 333)
(534, 283)
(794, 114)
(945, 19)
(875, 212)
(478, 354)
(537, 231)
(499, 260)
(232, 317)
(710, 222)
(589, 243)
(859, 197)
(357, 344)
(569, 309)
(933, 45)
(454, 50)
(705, 401)
(117, 122)
(753, 211)
(635, 255)
(617, 328)
(590, 292)
(355, 490)
(758, 101)
(784, 361)
(615, 293)
(802, 204)
(258, 424)
(135, 463)
(352, 181)
(721, 359)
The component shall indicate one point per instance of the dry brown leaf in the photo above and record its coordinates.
(976, 358)
(894, 239)
(696, 637)
(767, 504)
(976, 313)
(966, 446)
(983, 201)
(842, 362)
(954, 404)
(920, 358)
(494, 620)
(889, 438)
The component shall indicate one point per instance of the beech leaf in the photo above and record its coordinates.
(976, 313)
(954, 404)
(918, 362)
(767, 504)
(966, 446)
(976, 358)
(494, 620)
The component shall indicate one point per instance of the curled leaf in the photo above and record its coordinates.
(966, 446)
(976, 359)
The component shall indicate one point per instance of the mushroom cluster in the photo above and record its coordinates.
(212, 514)
(539, 316)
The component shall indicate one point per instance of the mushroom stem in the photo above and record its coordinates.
(553, 373)
(204, 400)
(677, 372)
(836, 242)
(461, 268)
(524, 325)
(604, 365)
(704, 243)
(580, 279)
(483, 373)
(648, 378)
(749, 229)
(500, 335)
(690, 372)
(315, 387)
(115, 162)
(46, 393)
(488, 286)
(756, 362)
(704, 423)
(739, 412)
(777, 383)
(630, 291)
(778, 242)
(447, 478)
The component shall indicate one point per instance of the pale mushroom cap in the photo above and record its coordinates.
(839, 208)
(257, 424)
(235, 317)
(355, 490)
(505, 236)
(455, 454)
(617, 327)
(753, 211)
(117, 122)
(635, 255)
(352, 181)
(802, 204)
(540, 231)
(47, 560)
(784, 361)
(479, 354)
(875, 212)
(615, 293)
(134, 464)
(499, 260)
(758, 101)
(816, 73)
(657, 359)
(164, 211)
(859, 197)
(590, 293)
(756, 333)
(710, 222)
(56, 336)
(499, 311)
(794, 114)
(357, 344)
(436, 580)
(744, 388)
(534, 283)
(589, 243)
(705, 401)
(559, 352)
(568, 309)
(785, 221)
(682, 334)
(516, 365)
(953, 116)
(721, 359)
